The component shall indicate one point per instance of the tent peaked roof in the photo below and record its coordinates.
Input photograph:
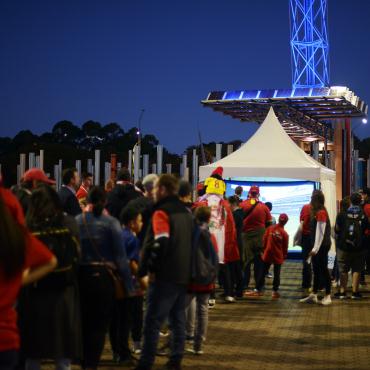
(270, 152)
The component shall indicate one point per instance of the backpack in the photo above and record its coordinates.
(353, 229)
(65, 247)
(204, 258)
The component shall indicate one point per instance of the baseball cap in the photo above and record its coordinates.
(218, 171)
(254, 190)
(38, 175)
(283, 218)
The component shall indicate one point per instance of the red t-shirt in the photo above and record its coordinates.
(367, 214)
(322, 216)
(258, 218)
(275, 244)
(305, 217)
(36, 254)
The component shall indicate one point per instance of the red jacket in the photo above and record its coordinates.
(275, 245)
(231, 244)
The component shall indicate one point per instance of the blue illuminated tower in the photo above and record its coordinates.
(309, 43)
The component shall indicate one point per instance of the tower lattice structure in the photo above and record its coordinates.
(309, 43)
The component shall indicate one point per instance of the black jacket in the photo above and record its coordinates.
(119, 197)
(69, 201)
(174, 264)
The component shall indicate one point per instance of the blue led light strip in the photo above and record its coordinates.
(309, 43)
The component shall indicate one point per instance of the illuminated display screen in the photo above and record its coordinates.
(286, 197)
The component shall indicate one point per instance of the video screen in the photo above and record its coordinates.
(286, 197)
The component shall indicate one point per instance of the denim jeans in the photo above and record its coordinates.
(197, 317)
(164, 300)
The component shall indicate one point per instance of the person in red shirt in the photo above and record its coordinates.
(321, 242)
(275, 251)
(23, 260)
(83, 191)
(256, 218)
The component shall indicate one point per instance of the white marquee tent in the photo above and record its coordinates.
(270, 153)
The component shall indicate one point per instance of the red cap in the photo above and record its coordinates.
(254, 190)
(283, 218)
(38, 175)
(218, 171)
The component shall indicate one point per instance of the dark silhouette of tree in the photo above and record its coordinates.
(67, 132)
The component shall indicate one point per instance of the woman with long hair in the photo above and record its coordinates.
(50, 310)
(102, 255)
(23, 260)
(320, 230)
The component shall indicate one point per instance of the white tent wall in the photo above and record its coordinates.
(271, 153)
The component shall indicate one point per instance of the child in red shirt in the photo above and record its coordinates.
(275, 251)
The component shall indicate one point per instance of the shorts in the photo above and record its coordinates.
(354, 261)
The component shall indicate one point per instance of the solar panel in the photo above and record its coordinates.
(250, 94)
(216, 95)
(232, 95)
(266, 94)
(320, 91)
(302, 91)
(287, 93)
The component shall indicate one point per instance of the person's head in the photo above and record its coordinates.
(109, 185)
(71, 178)
(139, 185)
(239, 191)
(269, 206)
(283, 219)
(87, 180)
(132, 219)
(254, 192)
(166, 186)
(98, 198)
(202, 214)
(345, 203)
(34, 177)
(356, 199)
(124, 175)
(234, 202)
(217, 173)
(44, 207)
(317, 202)
(366, 193)
(148, 184)
(12, 241)
(185, 191)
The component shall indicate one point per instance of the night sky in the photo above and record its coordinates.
(106, 60)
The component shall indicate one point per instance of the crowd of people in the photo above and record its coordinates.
(134, 260)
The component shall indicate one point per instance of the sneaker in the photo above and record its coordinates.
(164, 334)
(211, 303)
(340, 295)
(269, 275)
(189, 350)
(163, 350)
(136, 348)
(312, 298)
(356, 295)
(253, 294)
(275, 295)
(326, 301)
(199, 352)
(229, 299)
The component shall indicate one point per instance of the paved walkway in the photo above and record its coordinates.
(285, 334)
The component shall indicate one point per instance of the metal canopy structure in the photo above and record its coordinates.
(305, 113)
